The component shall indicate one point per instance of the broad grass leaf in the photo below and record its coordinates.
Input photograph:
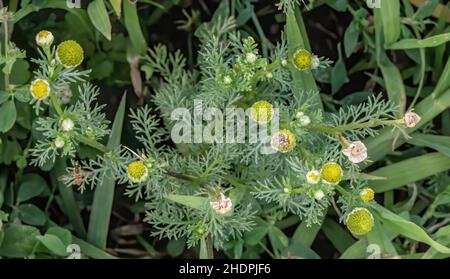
(340, 237)
(277, 238)
(351, 37)
(406, 228)
(69, 204)
(426, 9)
(379, 237)
(443, 236)
(90, 250)
(133, 26)
(433, 41)
(306, 234)
(390, 16)
(99, 17)
(438, 143)
(117, 6)
(357, 251)
(384, 24)
(104, 193)
(410, 170)
(338, 73)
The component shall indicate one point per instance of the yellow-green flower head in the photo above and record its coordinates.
(44, 38)
(367, 194)
(137, 172)
(261, 111)
(70, 54)
(359, 221)
(40, 89)
(313, 177)
(283, 141)
(303, 59)
(331, 173)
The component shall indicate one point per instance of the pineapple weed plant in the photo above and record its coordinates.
(230, 195)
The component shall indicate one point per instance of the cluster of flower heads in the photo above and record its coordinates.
(249, 68)
(69, 125)
(358, 219)
(68, 55)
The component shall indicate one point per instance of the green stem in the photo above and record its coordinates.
(341, 190)
(56, 104)
(340, 129)
(368, 124)
(92, 143)
(267, 250)
(261, 34)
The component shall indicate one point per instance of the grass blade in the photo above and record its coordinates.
(117, 6)
(391, 75)
(91, 251)
(306, 235)
(390, 16)
(340, 238)
(304, 80)
(378, 236)
(433, 41)
(438, 143)
(443, 236)
(71, 208)
(104, 193)
(407, 228)
(357, 250)
(407, 171)
(131, 20)
(99, 17)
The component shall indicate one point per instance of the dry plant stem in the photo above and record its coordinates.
(439, 225)
(336, 208)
